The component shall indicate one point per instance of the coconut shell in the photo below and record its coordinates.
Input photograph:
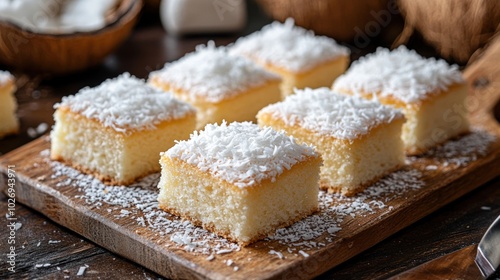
(66, 53)
(339, 19)
(455, 28)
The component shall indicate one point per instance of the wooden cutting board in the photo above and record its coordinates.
(171, 248)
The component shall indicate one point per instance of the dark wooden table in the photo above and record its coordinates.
(453, 227)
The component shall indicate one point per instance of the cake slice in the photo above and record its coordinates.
(220, 86)
(9, 124)
(240, 181)
(296, 54)
(430, 92)
(117, 130)
(359, 140)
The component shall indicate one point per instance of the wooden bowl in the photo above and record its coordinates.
(65, 53)
(339, 19)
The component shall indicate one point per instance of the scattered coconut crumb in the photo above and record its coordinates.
(45, 153)
(279, 254)
(303, 253)
(54, 241)
(210, 258)
(236, 268)
(220, 252)
(81, 271)
(464, 150)
(39, 130)
(431, 167)
(229, 262)
(335, 208)
(18, 226)
(138, 203)
(486, 208)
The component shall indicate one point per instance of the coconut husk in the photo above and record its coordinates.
(339, 19)
(483, 76)
(455, 28)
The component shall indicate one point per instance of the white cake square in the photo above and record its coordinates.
(359, 140)
(430, 92)
(117, 130)
(240, 181)
(218, 85)
(296, 54)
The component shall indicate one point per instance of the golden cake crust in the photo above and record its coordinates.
(206, 176)
(353, 191)
(226, 234)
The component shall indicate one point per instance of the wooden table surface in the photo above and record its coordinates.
(40, 241)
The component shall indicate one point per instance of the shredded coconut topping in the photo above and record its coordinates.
(401, 74)
(126, 103)
(212, 75)
(332, 114)
(241, 153)
(337, 213)
(288, 46)
(5, 76)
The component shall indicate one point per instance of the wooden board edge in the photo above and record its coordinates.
(394, 220)
(52, 203)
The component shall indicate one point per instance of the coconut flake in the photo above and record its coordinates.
(401, 74)
(126, 103)
(212, 75)
(81, 271)
(323, 111)
(241, 153)
(279, 254)
(288, 46)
